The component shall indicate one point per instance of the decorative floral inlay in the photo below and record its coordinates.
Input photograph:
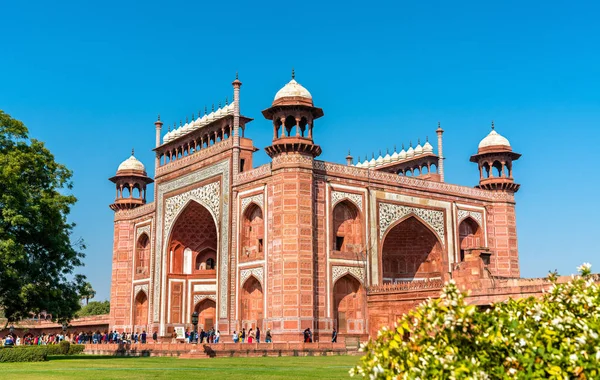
(245, 273)
(339, 271)
(258, 199)
(391, 213)
(462, 214)
(139, 288)
(207, 196)
(144, 229)
(337, 196)
(200, 297)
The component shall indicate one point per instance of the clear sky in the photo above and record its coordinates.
(89, 78)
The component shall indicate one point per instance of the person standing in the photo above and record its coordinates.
(268, 338)
(250, 335)
(143, 337)
(236, 338)
(243, 335)
(217, 336)
(257, 335)
(154, 337)
(334, 336)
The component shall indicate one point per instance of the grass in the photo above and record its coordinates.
(108, 367)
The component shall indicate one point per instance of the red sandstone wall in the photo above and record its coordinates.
(502, 240)
(121, 288)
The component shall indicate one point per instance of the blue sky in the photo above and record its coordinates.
(89, 79)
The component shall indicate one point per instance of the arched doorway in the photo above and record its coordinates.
(411, 251)
(252, 238)
(347, 230)
(140, 311)
(207, 312)
(252, 302)
(142, 256)
(470, 237)
(348, 305)
(193, 237)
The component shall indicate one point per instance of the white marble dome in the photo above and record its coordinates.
(427, 148)
(293, 89)
(131, 163)
(494, 139)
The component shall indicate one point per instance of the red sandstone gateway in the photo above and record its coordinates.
(301, 243)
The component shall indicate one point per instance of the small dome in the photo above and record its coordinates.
(395, 156)
(427, 148)
(418, 149)
(293, 89)
(365, 163)
(358, 164)
(379, 161)
(131, 163)
(402, 154)
(494, 139)
(372, 163)
(410, 152)
(387, 159)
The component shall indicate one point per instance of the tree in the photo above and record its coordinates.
(37, 255)
(94, 308)
(86, 292)
(555, 337)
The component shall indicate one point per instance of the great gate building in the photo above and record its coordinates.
(299, 242)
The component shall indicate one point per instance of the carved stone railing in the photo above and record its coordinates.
(200, 155)
(253, 174)
(134, 213)
(415, 183)
(406, 286)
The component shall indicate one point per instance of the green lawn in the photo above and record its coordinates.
(108, 367)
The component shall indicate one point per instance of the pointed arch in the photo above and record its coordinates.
(347, 227)
(194, 229)
(142, 256)
(470, 236)
(140, 309)
(411, 250)
(348, 304)
(207, 312)
(252, 233)
(252, 303)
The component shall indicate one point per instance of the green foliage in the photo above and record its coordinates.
(555, 337)
(94, 308)
(63, 348)
(86, 292)
(37, 256)
(23, 354)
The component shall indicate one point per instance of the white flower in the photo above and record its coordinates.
(512, 371)
(585, 268)
(573, 358)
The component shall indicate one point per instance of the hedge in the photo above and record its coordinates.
(23, 354)
(64, 348)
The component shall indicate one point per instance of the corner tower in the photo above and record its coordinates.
(291, 284)
(131, 181)
(494, 158)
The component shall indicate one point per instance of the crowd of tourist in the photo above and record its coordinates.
(210, 336)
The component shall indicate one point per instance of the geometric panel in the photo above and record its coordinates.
(337, 196)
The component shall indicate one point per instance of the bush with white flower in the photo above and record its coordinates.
(552, 337)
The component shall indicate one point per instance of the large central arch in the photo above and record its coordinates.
(192, 251)
(411, 251)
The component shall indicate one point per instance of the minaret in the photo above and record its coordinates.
(439, 133)
(236, 125)
(158, 124)
(131, 177)
(349, 159)
(494, 158)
